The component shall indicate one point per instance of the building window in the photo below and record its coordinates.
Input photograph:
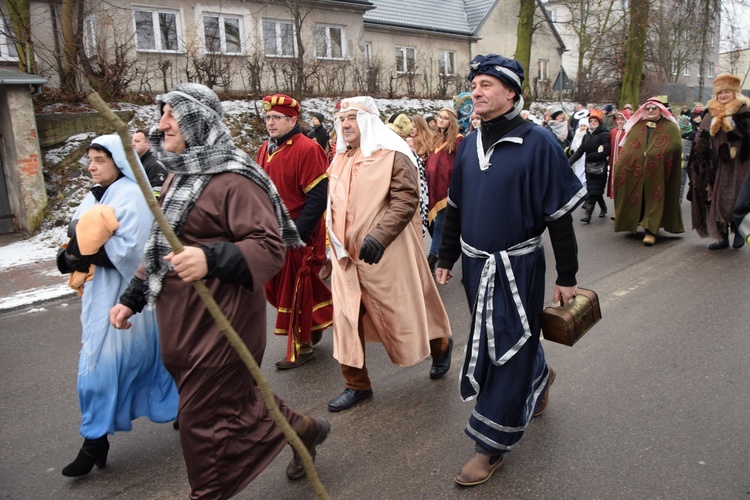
(223, 34)
(89, 37)
(686, 70)
(543, 70)
(368, 53)
(709, 70)
(446, 63)
(8, 50)
(674, 68)
(278, 38)
(156, 30)
(406, 59)
(329, 42)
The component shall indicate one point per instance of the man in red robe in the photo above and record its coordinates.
(297, 165)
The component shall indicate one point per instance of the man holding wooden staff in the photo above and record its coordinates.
(235, 230)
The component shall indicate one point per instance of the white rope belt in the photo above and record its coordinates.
(484, 302)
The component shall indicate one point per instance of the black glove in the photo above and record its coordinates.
(76, 263)
(371, 251)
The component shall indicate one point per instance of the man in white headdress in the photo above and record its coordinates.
(382, 287)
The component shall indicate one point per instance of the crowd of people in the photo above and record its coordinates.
(359, 198)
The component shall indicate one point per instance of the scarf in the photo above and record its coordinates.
(721, 115)
(560, 129)
(210, 151)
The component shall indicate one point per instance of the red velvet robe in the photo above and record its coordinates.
(302, 299)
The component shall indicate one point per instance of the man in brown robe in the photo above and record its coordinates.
(382, 287)
(234, 227)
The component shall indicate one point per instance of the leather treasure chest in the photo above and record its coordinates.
(565, 325)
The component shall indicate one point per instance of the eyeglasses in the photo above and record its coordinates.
(275, 118)
(652, 108)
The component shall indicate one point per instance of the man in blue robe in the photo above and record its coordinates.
(511, 181)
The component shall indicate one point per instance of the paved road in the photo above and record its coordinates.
(653, 403)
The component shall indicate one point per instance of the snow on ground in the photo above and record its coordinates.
(34, 296)
(41, 247)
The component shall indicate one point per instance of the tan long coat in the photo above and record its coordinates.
(378, 195)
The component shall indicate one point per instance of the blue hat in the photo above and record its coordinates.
(507, 70)
(608, 108)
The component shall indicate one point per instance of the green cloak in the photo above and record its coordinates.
(647, 179)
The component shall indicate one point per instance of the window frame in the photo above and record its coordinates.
(451, 55)
(686, 70)
(278, 39)
(8, 50)
(222, 18)
(89, 37)
(542, 70)
(404, 49)
(155, 12)
(327, 28)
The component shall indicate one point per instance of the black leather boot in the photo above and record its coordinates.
(587, 218)
(93, 452)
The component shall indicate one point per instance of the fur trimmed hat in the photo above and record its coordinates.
(727, 82)
(287, 106)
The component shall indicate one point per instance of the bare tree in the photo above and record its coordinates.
(524, 35)
(19, 12)
(633, 73)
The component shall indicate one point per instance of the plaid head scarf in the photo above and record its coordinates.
(210, 150)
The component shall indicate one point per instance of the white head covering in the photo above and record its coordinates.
(375, 134)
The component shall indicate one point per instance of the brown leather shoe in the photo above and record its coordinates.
(285, 364)
(649, 240)
(478, 469)
(312, 432)
(545, 398)
(325, 271)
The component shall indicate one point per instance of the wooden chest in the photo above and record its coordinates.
(565, 325)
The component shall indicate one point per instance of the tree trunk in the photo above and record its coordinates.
(633, 74)
(523, 42)
(299, 66)
(19, 12)
(69, 51)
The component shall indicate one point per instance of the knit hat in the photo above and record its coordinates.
(400, 123)
(727, 82)
(287, 106)
(608, 108)
(556, 113)
(319, 116)
(506, 70)
(597, 114)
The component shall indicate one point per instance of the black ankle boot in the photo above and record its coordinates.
(93, 452)
(587, 218)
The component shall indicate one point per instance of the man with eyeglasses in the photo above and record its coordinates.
(647, 179)
(297, 165)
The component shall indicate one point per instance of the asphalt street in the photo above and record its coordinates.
(649, 404)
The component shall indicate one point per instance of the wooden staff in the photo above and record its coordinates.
(122, 130)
